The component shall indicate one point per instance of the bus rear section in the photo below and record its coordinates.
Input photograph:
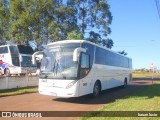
(25, 53)
(9, 60)
(15, 59)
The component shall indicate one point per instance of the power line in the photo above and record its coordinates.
(158, 7)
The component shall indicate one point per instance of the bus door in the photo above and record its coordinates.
(84, 68)
(14, 55)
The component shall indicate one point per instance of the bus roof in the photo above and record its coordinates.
(67, 41)
(23, 49)
(4, 45)
(12, 45)
(84, 41)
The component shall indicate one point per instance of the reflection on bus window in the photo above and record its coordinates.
(13, 49)
(3, 50)
(84, 61)
(25, 49)
(15, 61)
(26, 61)
(61, 64)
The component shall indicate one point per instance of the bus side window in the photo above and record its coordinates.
(85, 65)
(84, 61)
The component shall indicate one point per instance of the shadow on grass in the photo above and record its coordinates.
(138, 88)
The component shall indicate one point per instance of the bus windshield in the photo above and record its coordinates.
(58, 62)
(25, 49)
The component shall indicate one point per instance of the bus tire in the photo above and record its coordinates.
(7, 72)
(130, 77)
(1, 72)
(96, 89)
(125, 83)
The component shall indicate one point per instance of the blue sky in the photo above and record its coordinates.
(136, 29)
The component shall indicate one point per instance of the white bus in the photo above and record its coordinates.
(73, 68)
(16, 59)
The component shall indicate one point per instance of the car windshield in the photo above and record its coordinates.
(58, 62)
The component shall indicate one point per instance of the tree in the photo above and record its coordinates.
(107, 42)
(4, 20)
(94, 37)
(19, 27)
(53, 20)
(122, 52)
(94, 18)
(41, 20)
(65, 20)
(75, 35)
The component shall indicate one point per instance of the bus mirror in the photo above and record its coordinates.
(76, 52)
(34, 56)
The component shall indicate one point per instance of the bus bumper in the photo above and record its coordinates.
(59, 92)
(14, 70)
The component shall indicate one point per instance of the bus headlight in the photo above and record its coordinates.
(71, 84)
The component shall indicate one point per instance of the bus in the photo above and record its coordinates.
(16, 59)
(73, 68)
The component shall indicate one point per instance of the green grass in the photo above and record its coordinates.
(145, 75)
(145, 99)
(17, 91)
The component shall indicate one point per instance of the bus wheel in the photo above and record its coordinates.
(7, 72)
(125, 83)
(96, 89)
(0, 72)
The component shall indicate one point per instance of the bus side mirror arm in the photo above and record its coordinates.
(76, 52)
(21, 59)
(34, 56)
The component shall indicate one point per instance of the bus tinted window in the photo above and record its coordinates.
(106, 57)
(90, 51)
(101, 55)
(3, 50)
(84, 61)
(13, 49)
(26, 61)
(15, 60)
(25, 49)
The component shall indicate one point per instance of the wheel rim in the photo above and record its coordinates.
(7, 72)
(0, 72)
(96, 90)
(125, 83)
